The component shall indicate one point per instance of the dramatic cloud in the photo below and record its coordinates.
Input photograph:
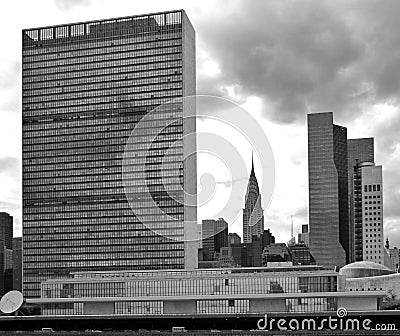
(308, 55)
(10, 85)
(9, 166)
(69, 4)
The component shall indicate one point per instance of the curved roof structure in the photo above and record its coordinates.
(361, 269)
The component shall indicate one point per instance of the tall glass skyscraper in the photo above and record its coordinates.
(85, 88)
(328, 190)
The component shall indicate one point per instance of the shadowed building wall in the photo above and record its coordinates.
(328, 190)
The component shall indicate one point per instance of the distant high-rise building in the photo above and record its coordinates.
(253, 213)
(214, 236)
(301, 255)
(304, 236)
(6, 233)
(85, 86)
(359, 151)
(328, 190)
(17, 263)
(394, 258)
(234, 238)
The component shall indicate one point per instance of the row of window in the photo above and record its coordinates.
(99, 85)
(146, 261)
(43, 113)
(157, 51)
(114, 73)
(131, 245)
(196, 286)
(111, 91)
(139, 63)
(144, 135)
(94, 45)
(372, 187)
(139, 155)
(162, 93)
(72, 55)
(138, 78)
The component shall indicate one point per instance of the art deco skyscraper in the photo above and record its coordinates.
(328, 190)
(85, 88)
(253, 213)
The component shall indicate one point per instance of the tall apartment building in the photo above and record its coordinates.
(85, 86)
(328, 190)
(253, 213)
(359, 151)
(371, 208)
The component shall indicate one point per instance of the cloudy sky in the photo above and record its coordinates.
(278, 59)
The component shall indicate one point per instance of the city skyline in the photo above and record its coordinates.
(372, 112)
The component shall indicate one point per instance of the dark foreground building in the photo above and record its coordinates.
(6, 234)
(328, 190)
(85, 87)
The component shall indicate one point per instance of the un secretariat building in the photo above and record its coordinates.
(84, 87)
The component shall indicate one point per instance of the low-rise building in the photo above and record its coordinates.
(200, 292)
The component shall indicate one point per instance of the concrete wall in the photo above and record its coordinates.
(180, 307)
(357, 303)
(383, 282)
(267, 305)
(98, 308)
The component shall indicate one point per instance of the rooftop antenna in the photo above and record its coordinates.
(291, 228)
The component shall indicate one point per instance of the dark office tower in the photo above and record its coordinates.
(214, 236)
(328, 185)
(359, 151)
(253, 214)
(6, 233)
(85, 86)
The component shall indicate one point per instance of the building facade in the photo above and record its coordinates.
(85, 87)
(253, 213)
(17, 263)
(328, 190)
